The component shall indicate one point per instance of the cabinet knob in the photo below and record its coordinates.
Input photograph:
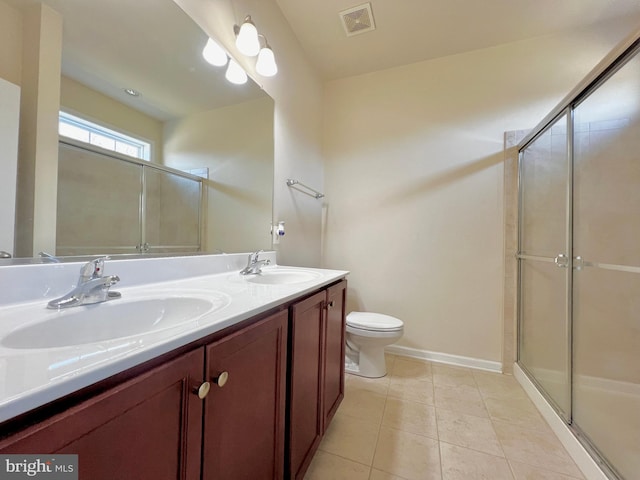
(203, 390)
(221, 379)
(330, 305)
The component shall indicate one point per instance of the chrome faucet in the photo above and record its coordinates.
(92, 287)
(254, 266)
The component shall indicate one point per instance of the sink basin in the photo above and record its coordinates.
(110, 320)
(282, 276)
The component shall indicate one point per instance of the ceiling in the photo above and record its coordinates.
(115, 44)
(408, 31)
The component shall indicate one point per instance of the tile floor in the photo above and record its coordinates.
(431, 421)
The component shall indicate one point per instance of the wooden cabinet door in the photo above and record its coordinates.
(148, 428)
(305, 408)
(333, 383)
(244, 416)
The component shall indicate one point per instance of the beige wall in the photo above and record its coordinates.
(236, 144)
(10, 43)
(10, 70)
(297, 92)
(9, 119)
(38, 144)
(414, 181)
(78, 98)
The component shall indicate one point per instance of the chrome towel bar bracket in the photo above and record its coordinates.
(301, 187)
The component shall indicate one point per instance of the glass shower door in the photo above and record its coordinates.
(606, 285)
(545, 264)
(98, 203)
(171, 212)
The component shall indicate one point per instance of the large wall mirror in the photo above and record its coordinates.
(194, 119)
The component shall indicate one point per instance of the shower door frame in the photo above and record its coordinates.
(600, 74)
(565, 413)
(142, 247)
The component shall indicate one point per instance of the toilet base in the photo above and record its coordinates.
(368, 362)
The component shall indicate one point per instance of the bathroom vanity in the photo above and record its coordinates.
(244, 391)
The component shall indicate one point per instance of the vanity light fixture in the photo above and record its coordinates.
(235, 73)
(266, 63)
(247, 39)
(214, 53)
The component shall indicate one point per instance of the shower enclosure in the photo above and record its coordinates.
(111, 204)
(579, 263)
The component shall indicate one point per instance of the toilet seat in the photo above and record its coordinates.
(376, 322)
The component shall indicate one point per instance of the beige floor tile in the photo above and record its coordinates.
(412, 368)
(388, 429)
(363, 404)
(411, 417)
(351, 438)
(460, 463)
(377, 385)
(414, 389)
(461, 398)
(497, 385)
(468, 431)
(535, 447)
(407, 455)
(452, 376)
(326, 466)
(516, 411)
(522, 471)
(380, 475)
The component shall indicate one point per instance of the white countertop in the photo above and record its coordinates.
(33, 377)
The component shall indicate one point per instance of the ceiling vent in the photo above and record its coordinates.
(358, 19)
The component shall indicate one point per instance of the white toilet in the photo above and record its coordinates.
(367, 335)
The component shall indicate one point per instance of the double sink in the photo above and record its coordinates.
(132, 315)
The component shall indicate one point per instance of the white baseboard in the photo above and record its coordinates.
(457, 360)
(585, 462)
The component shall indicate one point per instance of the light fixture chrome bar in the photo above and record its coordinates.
(301, 186)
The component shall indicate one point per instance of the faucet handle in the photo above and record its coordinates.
(93, 269)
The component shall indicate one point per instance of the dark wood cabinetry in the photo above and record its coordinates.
(305, 401)
(317, 372)
(333, 374)
(274, 385)
(245, 409)
(146, 428)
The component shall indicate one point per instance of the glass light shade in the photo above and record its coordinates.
(247, 40)
(266, 64)
(214, 54)
(235, 73)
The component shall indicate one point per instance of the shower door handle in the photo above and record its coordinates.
(578, 263)
(561, 261)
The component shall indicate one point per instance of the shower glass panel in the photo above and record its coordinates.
(113, 205)
(95, 212)
(606, 283)
(172, 212)
(544, 263)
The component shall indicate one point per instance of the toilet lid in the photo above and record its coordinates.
(373, 321)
